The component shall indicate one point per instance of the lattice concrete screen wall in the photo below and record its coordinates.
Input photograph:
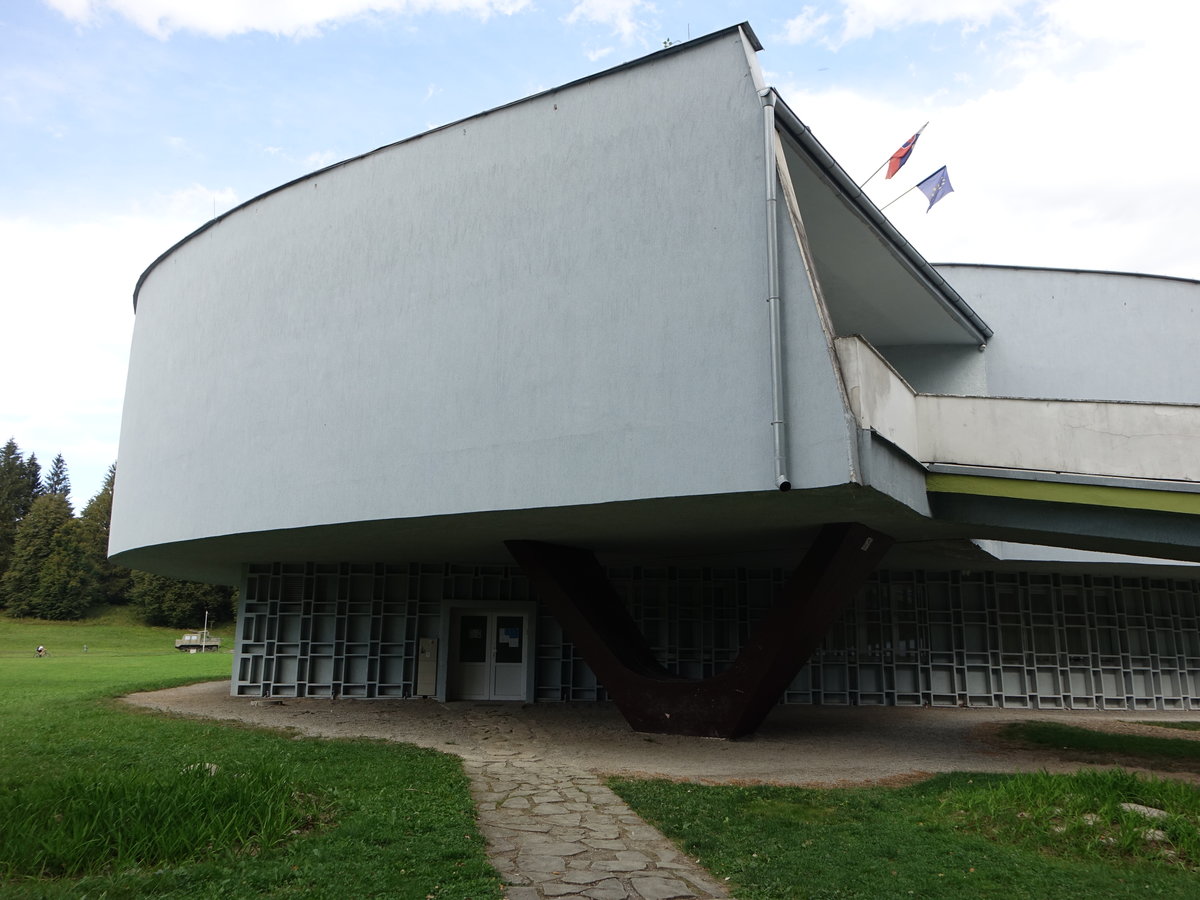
(349, 630)
(1017, 640)
(910, 638)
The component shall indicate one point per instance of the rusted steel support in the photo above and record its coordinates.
(734, 703)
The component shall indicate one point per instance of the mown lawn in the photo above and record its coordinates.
(952, 836)
(1086, 745)
(98, 800)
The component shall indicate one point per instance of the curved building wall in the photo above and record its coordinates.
(1076, 335)
(557, 303)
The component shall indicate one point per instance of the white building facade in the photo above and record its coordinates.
(646, 317)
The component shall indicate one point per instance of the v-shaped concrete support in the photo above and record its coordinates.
(575, 587)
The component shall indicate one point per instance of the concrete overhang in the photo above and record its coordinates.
(755, 528)
(1143, 447)
(1114, 477)
(758, 529)
(875, 282)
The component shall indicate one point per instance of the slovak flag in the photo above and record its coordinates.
(900, 157)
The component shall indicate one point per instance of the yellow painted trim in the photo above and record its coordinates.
(1066, 492)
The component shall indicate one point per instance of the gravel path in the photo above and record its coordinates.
(796, 744)
(553, 828)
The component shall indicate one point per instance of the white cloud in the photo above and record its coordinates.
(804, 27)
(862, 18)
(68, 319)
(76, 10)
(599, 54)
(195, 204)
(624, 17)
(290, 18)
(1084, 160)
(301, 163)
(320, 159)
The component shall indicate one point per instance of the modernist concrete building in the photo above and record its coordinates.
(625, 390)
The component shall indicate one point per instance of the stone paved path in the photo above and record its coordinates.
(556, 831)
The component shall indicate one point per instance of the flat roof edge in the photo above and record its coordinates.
(1068, 269)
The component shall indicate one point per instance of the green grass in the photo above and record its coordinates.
(948, 837)
(1182, 726)
(111, 631)
(1173, 754)
(1083, 816)
(99, 800)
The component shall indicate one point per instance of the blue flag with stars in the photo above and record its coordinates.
(936, 186)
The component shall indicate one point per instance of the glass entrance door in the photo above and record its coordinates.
(508, 657)
(489, 656)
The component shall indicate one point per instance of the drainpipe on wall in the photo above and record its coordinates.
(777, 388)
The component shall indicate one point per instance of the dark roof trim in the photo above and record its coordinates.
(1122, 481)
(1068, 269)
(744, 28)
(907, 254)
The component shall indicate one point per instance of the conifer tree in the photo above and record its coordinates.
(32, 545)
(57, 481)
(12, 476)
(33, 477)
(11, 480)
(68, 583)
(96, 519)
(17, 491)
(51, 575)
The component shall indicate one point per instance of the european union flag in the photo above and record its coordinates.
(936, 186)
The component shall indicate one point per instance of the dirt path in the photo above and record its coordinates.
(796, 745)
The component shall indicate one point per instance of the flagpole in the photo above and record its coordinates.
(888, 160)
(873, 174)
(909, 191)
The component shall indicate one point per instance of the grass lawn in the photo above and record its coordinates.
(952, 836)
(948, 837)
(1182, 726)
(98, 800)
(1085, 745)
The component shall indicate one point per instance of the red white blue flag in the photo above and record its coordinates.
(900, 157)
(936, 186)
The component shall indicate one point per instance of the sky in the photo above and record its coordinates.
(1067, 127)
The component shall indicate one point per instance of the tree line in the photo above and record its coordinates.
(54, 564)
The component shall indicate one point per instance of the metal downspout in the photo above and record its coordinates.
(777, 387)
